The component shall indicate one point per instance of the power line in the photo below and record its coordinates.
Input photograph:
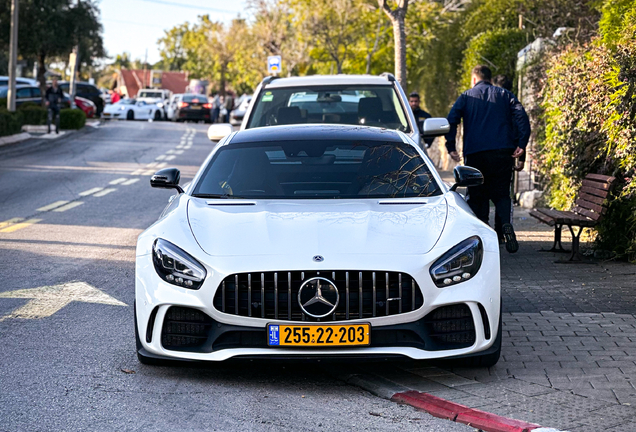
(189, 6)
(133, 23)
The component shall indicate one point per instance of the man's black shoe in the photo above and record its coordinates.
(510, 239)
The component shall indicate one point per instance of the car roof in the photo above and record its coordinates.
(325, 132)
(317, 80)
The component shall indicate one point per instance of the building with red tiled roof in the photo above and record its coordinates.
(129, 82)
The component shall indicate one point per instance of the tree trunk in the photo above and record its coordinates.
(399, 34)
(41, 78)
(222, 81)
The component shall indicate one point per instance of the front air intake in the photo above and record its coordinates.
(185, 329)
(451, 327)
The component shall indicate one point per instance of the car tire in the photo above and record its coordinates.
(158, 116)
(150, 361)
(130, 115)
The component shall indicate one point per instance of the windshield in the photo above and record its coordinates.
(366, 105)
(317, 169)
(150, 94)
(196, 98)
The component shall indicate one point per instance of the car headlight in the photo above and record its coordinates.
(160, 105)
(122, 108)
(460, 263)
(176, 266)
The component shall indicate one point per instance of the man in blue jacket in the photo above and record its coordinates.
(490, 145)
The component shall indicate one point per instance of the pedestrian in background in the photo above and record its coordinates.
(53, 99)
(420, 116)
(216, 106)
(228, 105)
(490, 145)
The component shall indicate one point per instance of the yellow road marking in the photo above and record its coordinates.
(129, 182)
(17, 226)
(56, 204)
(90, 191)
(69, 206)
(119, 180)
(10, 222)
(104, 192)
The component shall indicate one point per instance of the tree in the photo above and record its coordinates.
(397, 14)
(171, 47)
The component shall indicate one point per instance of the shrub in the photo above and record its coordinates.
(72, 118)
(495, 48)
(590, 110)
(33, 114)
(10, 123)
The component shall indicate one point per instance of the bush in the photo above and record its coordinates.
(33, 114)
(72, 118)
(496, 49)
(590, 110)
(10, 123)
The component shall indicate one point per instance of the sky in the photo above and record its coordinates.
(135, 25)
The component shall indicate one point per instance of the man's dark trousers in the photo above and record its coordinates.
(496, 166)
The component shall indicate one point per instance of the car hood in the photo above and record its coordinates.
(290, 227)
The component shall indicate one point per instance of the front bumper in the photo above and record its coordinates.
(229, 336)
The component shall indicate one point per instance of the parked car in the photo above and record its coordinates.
(4, 81)
(87, 91)
(335, 99)
(314, 241)
(132, 109)
(236, 115)
(193, 107)
(172, 105)
(155, 96)
(105, 95)
(23, 94)
(86, 105)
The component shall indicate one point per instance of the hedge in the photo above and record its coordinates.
(33, 114)
(72, 118)
(496, 49)
(590, 119)
(10, 123)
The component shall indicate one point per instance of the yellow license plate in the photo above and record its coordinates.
(195, 107)
(318, 335)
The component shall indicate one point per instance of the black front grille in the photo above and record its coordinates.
(451, 327)
(185, 329)
(274, 295)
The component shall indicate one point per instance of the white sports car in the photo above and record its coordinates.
(132, 109)
(318, 240)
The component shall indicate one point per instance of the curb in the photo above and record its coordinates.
(12, 139)
(442, 408)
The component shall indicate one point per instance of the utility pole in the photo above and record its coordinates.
(13, 55)
(74, 61)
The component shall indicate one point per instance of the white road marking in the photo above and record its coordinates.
(69, 206)
(104, 192)
(162, 157)
(129, 182)
(119, 180)
(178, 152)
(151, 164)
(149, 172)
(161, 165)
(10, 222)
(168, 158)
(90, 191)
(137, 172)
(56, 204)
(19, 225)
(47, 300)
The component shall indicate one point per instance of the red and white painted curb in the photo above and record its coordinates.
(485, 421)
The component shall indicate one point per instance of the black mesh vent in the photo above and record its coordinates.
(451, 327)
(274, 295)
(185, 329)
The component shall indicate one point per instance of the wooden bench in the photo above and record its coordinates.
(590, 208)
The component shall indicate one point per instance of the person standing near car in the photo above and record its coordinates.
(53, 99)
(420, 116)
(216, 107)
(228, 105)
(490, 145)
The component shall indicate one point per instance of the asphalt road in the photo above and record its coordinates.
(67, 357)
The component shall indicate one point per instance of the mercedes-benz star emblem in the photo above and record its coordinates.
(318, 297)
(319, 258)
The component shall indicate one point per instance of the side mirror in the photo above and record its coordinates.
(217, 132)
(437, 126)
(467, 176)
(167, 178)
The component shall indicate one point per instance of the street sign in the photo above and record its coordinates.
(273, 65)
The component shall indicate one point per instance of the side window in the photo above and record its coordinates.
(23, 93)
(35, 92)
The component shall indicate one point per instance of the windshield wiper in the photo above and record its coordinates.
(216, 196)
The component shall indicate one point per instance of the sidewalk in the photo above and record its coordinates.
(569, 345)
